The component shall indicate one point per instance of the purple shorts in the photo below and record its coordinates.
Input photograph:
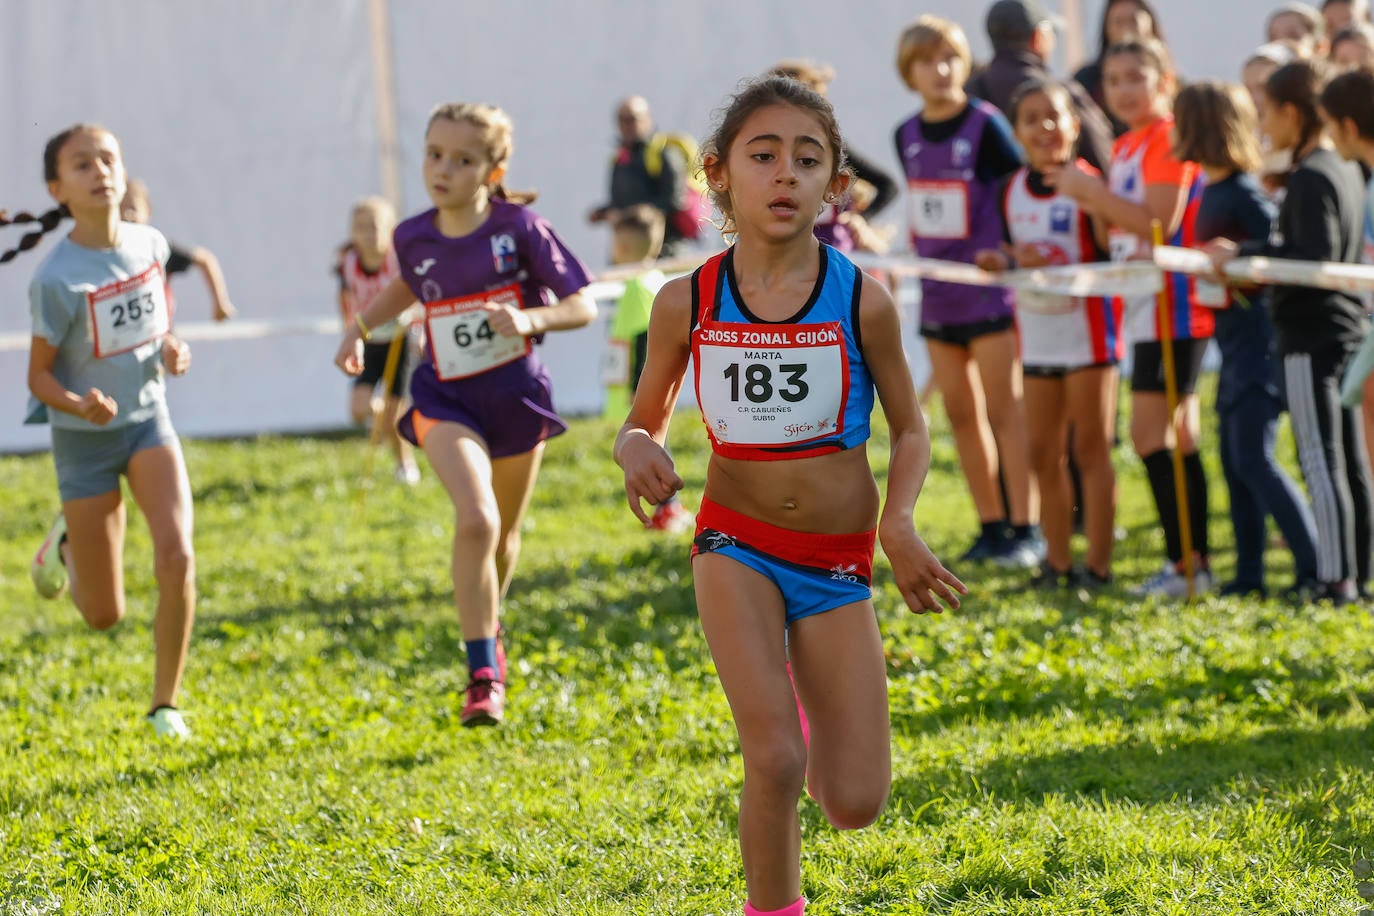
(510, 407)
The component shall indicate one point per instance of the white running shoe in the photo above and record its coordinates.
(1170, 583)
(47, 570)
(168, 723)
(408, 474)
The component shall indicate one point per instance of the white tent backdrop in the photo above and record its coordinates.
(255, 124)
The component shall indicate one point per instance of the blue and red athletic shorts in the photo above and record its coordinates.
(814, 572)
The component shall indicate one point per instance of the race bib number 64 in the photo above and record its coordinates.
(463, 340)
(127, 314)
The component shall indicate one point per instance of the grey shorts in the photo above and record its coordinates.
(90, 462)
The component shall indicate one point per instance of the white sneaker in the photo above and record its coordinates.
(1170, 583)
(47, 570)
(408, 474)
(168, 723)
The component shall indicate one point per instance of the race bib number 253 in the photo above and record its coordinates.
(127, 314)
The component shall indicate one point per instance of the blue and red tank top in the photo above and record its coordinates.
(778, 390)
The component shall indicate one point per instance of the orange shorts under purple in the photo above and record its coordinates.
(512, 413)
(814, 572)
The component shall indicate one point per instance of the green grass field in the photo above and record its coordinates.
(1054, 754)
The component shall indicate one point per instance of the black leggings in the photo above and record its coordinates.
(1334, 464)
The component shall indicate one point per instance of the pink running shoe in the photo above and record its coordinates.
(486, 699)
(673, 518)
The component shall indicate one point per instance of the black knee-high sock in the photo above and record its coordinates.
(1159, 467)
(1196, 478)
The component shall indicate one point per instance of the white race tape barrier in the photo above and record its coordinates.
(228, 330)
(1050, 286)
(1346, 278)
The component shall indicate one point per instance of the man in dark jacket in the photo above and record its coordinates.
(1022, 36)
(637, 177)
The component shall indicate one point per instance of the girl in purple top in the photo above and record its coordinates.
(483, 265)
(957, 153)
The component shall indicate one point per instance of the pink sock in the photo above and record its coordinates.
(796, 908)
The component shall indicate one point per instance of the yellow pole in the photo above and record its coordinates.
(1166, 347)
(374, 436)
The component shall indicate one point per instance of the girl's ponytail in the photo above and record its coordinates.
(1298, 84)
(46, 223)
(50, 220)
(524, 198)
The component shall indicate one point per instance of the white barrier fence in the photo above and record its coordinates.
(253, 376)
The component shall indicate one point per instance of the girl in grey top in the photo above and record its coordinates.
(101, 344)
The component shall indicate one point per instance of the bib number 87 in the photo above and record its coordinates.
(463, 337)
(758, 382)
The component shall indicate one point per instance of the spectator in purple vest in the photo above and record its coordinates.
(956, 154)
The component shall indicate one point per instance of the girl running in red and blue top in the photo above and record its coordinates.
(957, 153)
(482, 405)
(101, 345)
(789, 341)
(1070, 347)
(1147, 183)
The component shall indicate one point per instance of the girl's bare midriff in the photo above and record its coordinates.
(828, 494)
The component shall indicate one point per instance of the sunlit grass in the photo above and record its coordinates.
(1054, 753)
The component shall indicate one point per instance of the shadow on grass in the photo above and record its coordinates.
(1200, 770)
(1005, 694)
(596, 606)
(132, 775)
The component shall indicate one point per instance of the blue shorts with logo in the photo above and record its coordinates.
(814, 572)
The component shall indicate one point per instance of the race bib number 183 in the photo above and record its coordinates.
(127, 314)
(780, 387)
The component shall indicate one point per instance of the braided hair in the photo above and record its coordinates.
(47, 222)
(50, 220)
